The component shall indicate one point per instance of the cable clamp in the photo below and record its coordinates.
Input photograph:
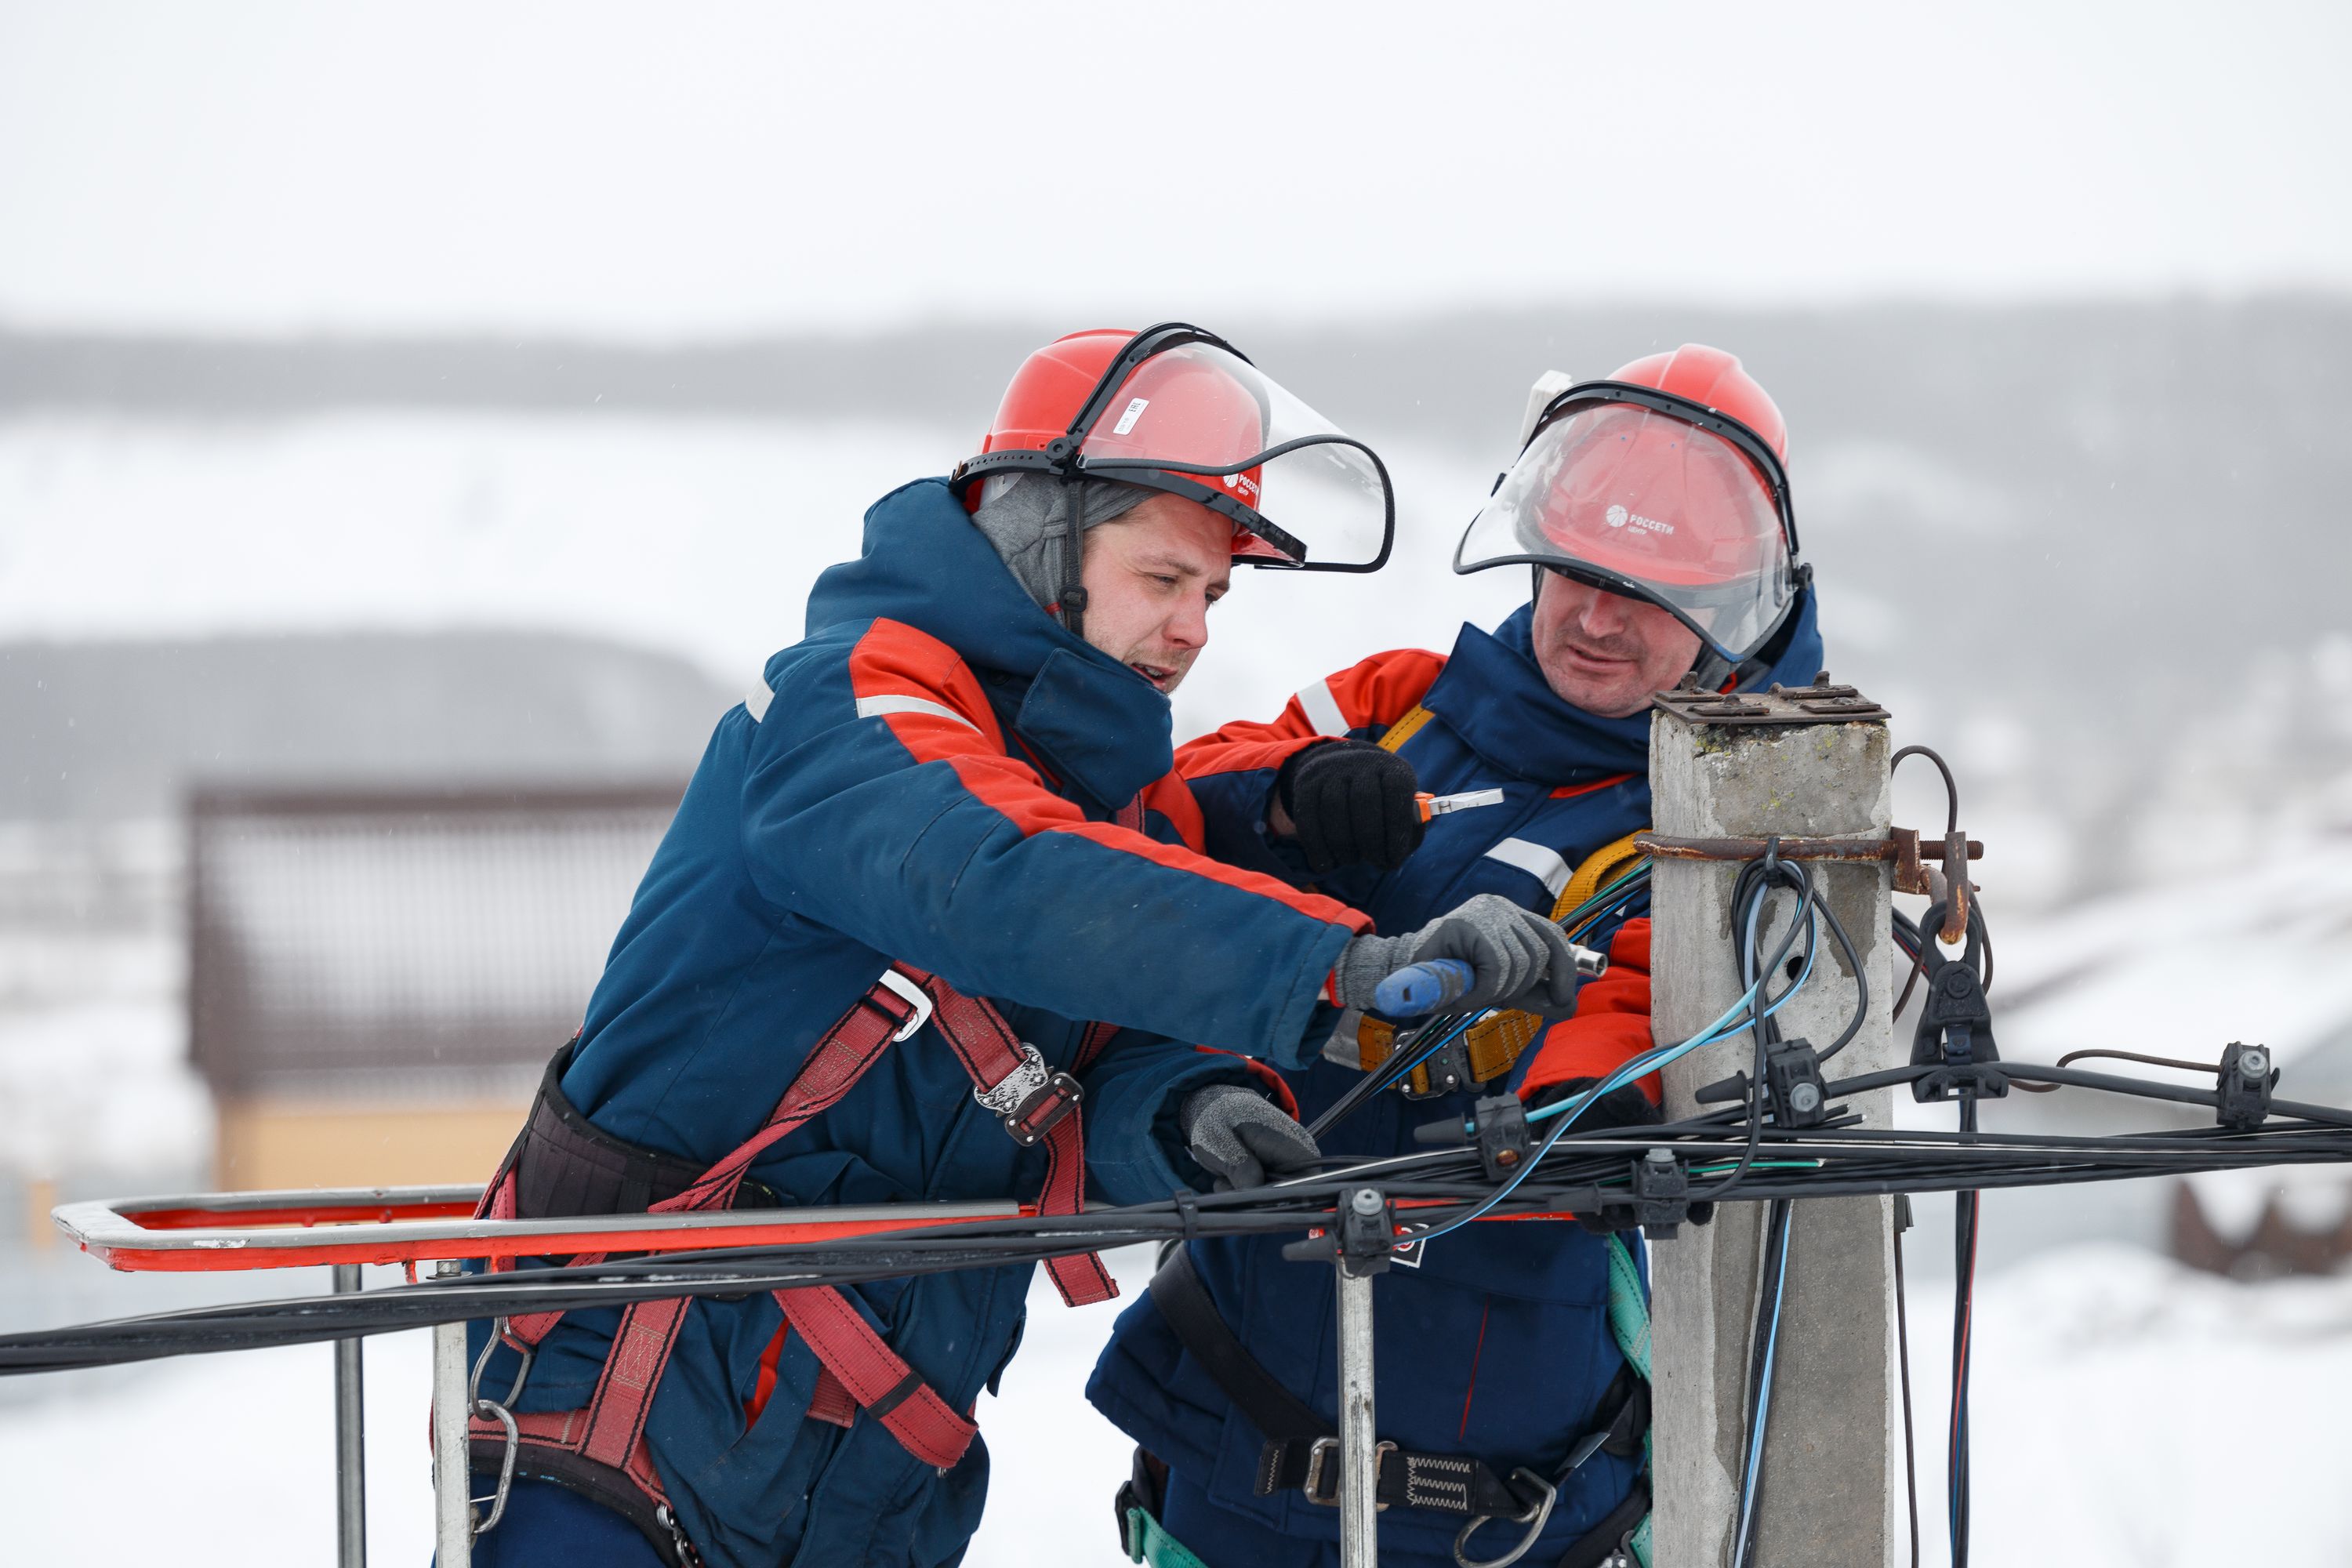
(1501, 1123)
(1793, 1086)
(2243, 1088)
(1661, 1194)
(1954, 1037)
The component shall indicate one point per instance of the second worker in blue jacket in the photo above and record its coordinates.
(1651, 510)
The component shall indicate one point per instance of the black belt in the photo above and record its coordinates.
(1302, 1447)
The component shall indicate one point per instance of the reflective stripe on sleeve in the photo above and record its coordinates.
(1322, 710)
(1544, 864)
(872, 707)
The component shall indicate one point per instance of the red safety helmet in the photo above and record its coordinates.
(1665, 483)
(1178, 409)
(1202, 410)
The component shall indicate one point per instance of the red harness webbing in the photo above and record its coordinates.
(858, 1370)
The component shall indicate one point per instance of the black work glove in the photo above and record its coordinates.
(1350, 803)
(1624, 1106)
(1240, 1137)
(1518, 959)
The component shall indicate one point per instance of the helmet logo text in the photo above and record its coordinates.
(1618, 517)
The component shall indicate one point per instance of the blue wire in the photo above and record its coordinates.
(1568, 1110)
(1727, 1024)
(1576, 1106)
(1763, 1400)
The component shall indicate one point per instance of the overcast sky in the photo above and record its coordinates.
(664, 170)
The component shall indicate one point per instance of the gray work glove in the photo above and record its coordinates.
(1239, 1136)
(1518, 959)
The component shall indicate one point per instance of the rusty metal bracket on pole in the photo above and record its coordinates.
(1902, 845)
(1823, 702)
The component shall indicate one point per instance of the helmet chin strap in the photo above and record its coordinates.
(1073, 557)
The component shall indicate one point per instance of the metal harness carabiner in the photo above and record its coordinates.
(501, 1413)
(1538, 1515)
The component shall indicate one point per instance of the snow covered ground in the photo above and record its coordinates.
(2129, 1414)
(698, 536)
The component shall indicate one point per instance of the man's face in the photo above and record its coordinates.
(1151, 576)
(1605, 653)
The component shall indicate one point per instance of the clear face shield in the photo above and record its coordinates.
(1182, 412)
(1649, 495)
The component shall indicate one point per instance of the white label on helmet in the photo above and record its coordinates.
(1618, 517)
(1135, 407)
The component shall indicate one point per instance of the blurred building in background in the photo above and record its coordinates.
(277, 909)
(376, 978)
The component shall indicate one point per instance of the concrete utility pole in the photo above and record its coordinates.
(1810, 764)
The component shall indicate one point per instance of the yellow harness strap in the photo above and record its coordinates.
(1495, 1042)
(1602, 866)
(1406, 728)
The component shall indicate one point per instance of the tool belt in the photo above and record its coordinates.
(1490, 1047)
(1302, 1447)
(562, 1164)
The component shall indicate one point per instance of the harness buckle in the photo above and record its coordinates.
(1538, 1514)
(1318, 1456)
(914, 996)
(1030, 1098)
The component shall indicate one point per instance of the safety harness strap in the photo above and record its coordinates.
(872, 1373)
(1301, 1448)
(593, 1449)
(1405, 728)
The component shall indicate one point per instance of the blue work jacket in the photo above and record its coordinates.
(1498, 1345)
(929, 776)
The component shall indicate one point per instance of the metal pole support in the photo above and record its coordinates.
(1366, 1239)
(1359, 1454)
(1361, 1241)
(453, 1508)
(351, 1440)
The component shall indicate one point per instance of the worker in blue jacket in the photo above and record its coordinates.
(1653, 508)
(934, 922)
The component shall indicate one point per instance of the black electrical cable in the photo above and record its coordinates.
(1902, 1207)
(1951, 788)
(1585, 1171)
(1964, 1248)
(1861, 983)
(1753, 884)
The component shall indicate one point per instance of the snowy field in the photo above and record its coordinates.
(696, 536)
(2129, 1414)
